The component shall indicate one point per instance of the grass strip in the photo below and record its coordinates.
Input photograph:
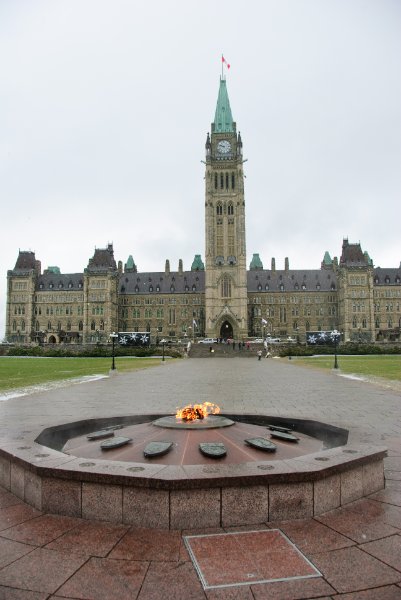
(18, 372)
(388, 367)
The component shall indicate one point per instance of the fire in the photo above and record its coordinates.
(191, 412)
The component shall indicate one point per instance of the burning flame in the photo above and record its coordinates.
(197, 411)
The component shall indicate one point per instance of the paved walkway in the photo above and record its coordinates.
(357, 549)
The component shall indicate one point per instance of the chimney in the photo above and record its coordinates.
(286, 264)
(167, 267)
(180, 268)
(273, 265)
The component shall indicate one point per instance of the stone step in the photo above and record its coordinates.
(224, 351)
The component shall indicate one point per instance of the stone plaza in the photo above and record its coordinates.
(350, 552)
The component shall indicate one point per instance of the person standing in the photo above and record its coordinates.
(259, 354)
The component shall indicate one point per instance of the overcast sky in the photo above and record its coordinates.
(105, 106)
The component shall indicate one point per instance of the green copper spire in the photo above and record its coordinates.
(197, 264)
(256, 263)
(223, 120)
(327, 258)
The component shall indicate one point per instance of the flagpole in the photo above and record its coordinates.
(222, 66)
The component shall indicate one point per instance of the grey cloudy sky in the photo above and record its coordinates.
(105, 106)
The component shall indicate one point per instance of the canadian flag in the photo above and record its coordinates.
(223, 60)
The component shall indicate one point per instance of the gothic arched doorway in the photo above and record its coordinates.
(226, 330)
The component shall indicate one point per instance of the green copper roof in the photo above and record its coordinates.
(368, 259)
(223, 120)
(327, 259)
(130, 265)
(256, 263)
(55, 270)
(197, 264)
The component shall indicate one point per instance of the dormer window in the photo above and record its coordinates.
(158, 288)
(51, 285)
(70, 284)
(194, 288)
(151, 288)
(136, 288)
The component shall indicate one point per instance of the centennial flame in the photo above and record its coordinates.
(197, 411)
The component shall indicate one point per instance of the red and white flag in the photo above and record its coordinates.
(223, 60)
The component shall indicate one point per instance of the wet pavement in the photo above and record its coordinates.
(353, 553)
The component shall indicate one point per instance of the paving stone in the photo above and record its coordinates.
(89, 538)
(387, 549)
(148, 544)
(17, 513)
(41, 530)
(104, 578)
(10, 551)
(41, 571)
(171, 580)
(312, 537)
(351, 569)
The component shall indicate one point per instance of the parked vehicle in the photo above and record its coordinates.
(208, 341)
(275, 340)
(291, 340)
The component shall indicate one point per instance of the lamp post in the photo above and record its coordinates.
(163, 343)
(335, 336)
(113, 336)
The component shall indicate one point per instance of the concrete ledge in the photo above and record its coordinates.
(177, 497)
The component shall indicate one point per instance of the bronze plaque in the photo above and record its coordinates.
(281, 435)
(157, 449)
(99, 435)
(262, 444)
(279, 428)
(115, 442)
(213, 449)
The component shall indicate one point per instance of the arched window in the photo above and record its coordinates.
(101, 325)
(230, 208)
(227, 180)
(233, 181)
(215, 181)
(226, 287)
(68, 325)
(354, 323)
(219, 209)
(364, 324)
(23, 325)
(37, 326)
(80, 326)
(221, 180)
(93, 325)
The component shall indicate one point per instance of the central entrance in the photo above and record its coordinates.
(226, 330)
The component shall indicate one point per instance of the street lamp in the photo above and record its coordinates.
(113, 336)
(163, 342)
(335, 336)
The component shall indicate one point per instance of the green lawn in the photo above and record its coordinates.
(388, 367)
(18, 372)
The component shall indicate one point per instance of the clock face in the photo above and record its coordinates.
(223, 147)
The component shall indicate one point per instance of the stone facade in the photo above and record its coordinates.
(219, 299)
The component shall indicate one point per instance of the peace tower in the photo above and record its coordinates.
(225, 248)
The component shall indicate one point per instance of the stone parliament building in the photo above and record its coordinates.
(217, 298)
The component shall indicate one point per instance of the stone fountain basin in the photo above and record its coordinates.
(207, 493)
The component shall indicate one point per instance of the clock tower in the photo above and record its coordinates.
(225, 250)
